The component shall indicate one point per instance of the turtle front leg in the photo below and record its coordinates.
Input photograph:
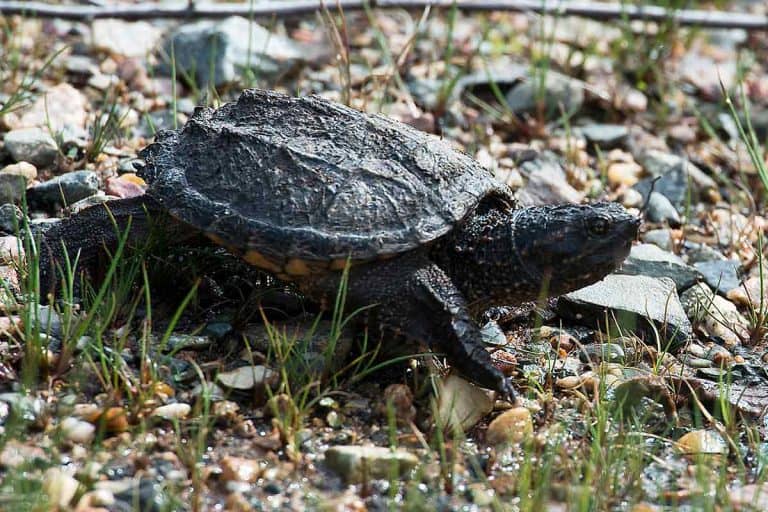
(416, 297)
(89, 234)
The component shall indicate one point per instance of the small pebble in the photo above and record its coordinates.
(60, 487)
(239, 469)
(177, 411)
(77, 430)
(510, 427)
(25, 169)
(702, 441)
(246, 378)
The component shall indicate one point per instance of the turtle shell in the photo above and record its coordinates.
(308, 183)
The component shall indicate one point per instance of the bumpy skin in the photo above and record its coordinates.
(434, 238)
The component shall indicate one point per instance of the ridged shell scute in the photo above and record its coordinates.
(306, 178)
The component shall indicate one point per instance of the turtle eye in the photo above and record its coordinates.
(598, 226)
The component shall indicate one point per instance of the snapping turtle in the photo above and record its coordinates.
(301, 186)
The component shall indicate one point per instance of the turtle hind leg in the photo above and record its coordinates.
(89, 235)
(416, 297)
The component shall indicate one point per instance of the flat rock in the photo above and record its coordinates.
(356, 464)
(661, 238)
(659, 164)
(605, 136)
(62, 107)
(25, 169)
(630, 302)
(65, 189)
(559, 90)
(460, 404)
(221, 51)
(721, 275)
(33, 145)
(247, 378)
(127, 39)
(652, 261)
(546, 182)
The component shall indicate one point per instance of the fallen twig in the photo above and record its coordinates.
(594, 10)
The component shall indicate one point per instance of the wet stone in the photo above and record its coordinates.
(65, 189)
(721, 275)
(633, 301)
(32, 145)
(357, 463)
(652, 261)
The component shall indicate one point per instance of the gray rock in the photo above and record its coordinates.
(660, 209)
(31, 145)
(356, 464)
(11, 218)
(493, 335)
(596, 352)
(558, 90)
(696, 301)
(721, 275)
(605, 136)
(697, 253)
(12, 188)
(177, 342)
(220, 51)
(652, 261)
(631, 303)
(247, 378)
(658, 163)
(673, 185)
(65, 189)
(661, 238)
(80, 68)
(48, 321)
(546, 182)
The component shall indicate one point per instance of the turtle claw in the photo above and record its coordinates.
(507, 391)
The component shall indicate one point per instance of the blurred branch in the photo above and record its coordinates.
(284, 8)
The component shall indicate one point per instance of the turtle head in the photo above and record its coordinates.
(567, 247)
